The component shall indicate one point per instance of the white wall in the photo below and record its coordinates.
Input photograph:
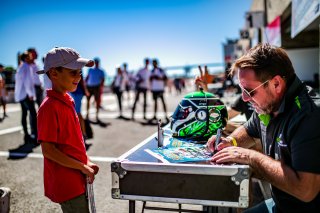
(305, 62)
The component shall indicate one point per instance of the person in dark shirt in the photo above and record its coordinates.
(285, 118)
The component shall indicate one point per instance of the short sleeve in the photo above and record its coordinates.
(253, 125)
(47, 121)
(103, 75)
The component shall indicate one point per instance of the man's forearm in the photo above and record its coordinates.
(302, 185)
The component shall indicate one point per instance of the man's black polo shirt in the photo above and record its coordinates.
(292, 137)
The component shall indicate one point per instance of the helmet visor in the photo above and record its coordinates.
(181, 113)
(184, 108)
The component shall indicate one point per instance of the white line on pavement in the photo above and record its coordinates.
(102, 159)
(38, 155)
(13, 108)
(10, 130)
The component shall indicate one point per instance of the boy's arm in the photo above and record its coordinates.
(50, 151)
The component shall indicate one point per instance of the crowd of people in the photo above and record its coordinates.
(30, 90)
(153, 80)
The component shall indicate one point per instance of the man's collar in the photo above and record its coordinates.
(290, 94)
(292, 91)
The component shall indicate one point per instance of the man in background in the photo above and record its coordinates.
(24, 92)
(95, 80)
(36, 80)
(158, 79)
(142, 85)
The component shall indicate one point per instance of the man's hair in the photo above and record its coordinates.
(23, 56)
(266, 61)
(155, 61)
(31, 49)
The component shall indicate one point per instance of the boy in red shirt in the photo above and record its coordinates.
(66, 163)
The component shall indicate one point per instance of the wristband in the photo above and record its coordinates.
(233, 141)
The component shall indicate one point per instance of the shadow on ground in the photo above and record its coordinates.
(23, 150)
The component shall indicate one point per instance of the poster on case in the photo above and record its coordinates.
(178, 151)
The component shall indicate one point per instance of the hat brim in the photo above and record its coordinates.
(74, 65)
(79, 64)
(40, 72)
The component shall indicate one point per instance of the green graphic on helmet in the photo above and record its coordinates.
(198, 116)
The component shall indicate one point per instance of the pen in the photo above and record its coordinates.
(218, 136)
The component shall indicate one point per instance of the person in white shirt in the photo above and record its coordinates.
(128, 85)
(24, 92)
(119, 85)
(142, 85)
(95, 83)
(158, 80)
(36, 80)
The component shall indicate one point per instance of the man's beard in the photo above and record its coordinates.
(272, 107)
(269, 109)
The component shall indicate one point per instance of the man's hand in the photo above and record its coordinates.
(202, 81)
(224, 142)
(233, 154)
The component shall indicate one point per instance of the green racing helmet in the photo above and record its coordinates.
(198, 116)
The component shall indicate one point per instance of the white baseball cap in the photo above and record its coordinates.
(64, 57)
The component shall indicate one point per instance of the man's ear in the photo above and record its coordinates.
(278, 84)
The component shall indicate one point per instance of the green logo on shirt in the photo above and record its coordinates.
(298, 102)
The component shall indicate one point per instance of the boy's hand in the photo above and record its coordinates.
(94, 166)
(87, 170)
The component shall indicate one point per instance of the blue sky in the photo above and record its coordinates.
(177, 32)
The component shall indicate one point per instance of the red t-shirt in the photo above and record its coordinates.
(58, 123)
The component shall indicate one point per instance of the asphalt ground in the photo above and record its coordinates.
(22, 165)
